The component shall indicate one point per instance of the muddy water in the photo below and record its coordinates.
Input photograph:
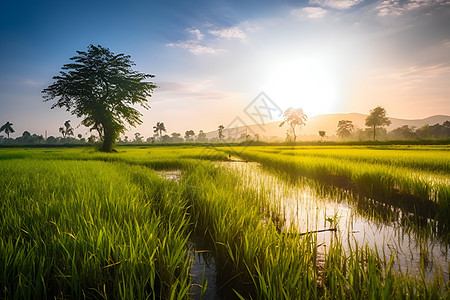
(304, 209)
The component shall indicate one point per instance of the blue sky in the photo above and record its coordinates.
(212, 58)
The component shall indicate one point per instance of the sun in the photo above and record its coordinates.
(306, 83)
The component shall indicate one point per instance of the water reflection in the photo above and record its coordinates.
(203, 274)
(174, 175)
(309, 206)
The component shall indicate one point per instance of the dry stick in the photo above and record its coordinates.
(314, 231)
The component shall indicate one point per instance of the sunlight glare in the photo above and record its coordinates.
(306, 83)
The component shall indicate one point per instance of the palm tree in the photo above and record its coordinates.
(7, 128)
(69, 129)
(159, 128)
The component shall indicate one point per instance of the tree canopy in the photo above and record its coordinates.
(322, 134)
(345, 128)
(189, 135)
(101, 87)
(377, 118)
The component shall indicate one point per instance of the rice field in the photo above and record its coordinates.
(196, 222)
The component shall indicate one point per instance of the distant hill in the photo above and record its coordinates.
(327, 123)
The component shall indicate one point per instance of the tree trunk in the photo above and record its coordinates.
(108, 137)
(293, 131)
(374, 130)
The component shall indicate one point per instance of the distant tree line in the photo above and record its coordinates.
(347, 131)
(68, 136)
(375, 123)
(377, 119)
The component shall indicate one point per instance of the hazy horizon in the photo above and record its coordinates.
(212, 60)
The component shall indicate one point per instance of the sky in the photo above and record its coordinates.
(215, 61)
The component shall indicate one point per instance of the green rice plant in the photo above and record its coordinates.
(434, 159)
(84, 229)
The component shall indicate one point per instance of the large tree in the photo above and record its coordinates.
(102, 88)
(377, 118)
(7, 128)
(294, 117)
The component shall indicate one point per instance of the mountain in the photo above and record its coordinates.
(327, 123)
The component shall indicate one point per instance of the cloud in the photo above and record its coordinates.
(309, 12)
(195, 48)
(389, 7)
(397, 8)
(197, 34)
(250, 27)
(198, 46)
(337, 4)
(229, 33)
(200, 90)
(31, 82)
(418, 73)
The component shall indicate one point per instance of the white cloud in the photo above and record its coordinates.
(197, 34)
(31, 82)
(195, 90)
(397, 8)
(421, 72)
(389, 7)
(229, 33)
(337, 4)
(198, 46)
(309, 12)
(195, 48)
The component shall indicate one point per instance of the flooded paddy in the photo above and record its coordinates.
(307, 206)
(209, 229)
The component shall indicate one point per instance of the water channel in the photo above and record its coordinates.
(307, 206)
